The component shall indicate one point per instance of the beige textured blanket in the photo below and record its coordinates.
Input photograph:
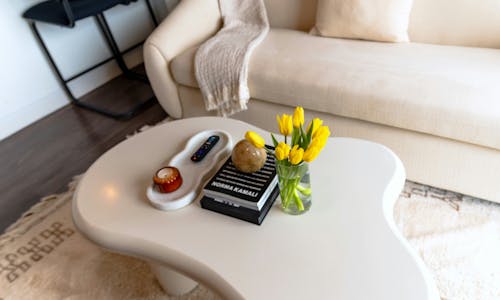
(221, 63)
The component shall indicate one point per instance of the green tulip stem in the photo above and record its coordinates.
(300, 205)
(303, 190)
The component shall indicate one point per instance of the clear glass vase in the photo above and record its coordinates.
(295, 187)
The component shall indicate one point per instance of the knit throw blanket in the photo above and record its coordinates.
(221, 63)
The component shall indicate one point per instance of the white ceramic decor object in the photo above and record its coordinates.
(193, 174)
(347, 246)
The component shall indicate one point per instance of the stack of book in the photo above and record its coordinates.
(246, 196)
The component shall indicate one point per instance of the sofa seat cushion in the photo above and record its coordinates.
(446, 91)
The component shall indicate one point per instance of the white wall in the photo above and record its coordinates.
(29, 89)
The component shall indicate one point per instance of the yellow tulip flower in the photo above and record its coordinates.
(319, 142)
(296, 155)
(315, 123)
(285, 124)
(282, 151)
(255, 139)
(323, 132)
(311, 153)
(298, 117)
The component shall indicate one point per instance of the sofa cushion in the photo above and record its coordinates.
(374, 20)
(447, 91)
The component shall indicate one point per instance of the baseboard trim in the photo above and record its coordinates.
(31, 113)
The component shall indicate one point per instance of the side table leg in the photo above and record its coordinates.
(173, 283)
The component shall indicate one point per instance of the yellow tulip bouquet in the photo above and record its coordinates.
(299, 147)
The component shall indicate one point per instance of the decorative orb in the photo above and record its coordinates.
(247, 158)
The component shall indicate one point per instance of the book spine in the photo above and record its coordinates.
(242, 213)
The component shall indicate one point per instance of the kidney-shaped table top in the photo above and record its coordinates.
(346, 247)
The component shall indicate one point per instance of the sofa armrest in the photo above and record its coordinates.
(189, 24)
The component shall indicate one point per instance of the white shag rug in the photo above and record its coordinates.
(458, 237)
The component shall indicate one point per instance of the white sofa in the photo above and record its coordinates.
(434, 101)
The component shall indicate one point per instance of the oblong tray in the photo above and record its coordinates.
(193, 174)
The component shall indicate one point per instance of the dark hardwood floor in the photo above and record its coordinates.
(42, 158)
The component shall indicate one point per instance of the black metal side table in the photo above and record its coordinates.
(66, 13)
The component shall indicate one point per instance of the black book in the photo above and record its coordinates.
(249, 190)
(240, 212)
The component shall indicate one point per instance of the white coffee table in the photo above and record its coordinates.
(346, 247)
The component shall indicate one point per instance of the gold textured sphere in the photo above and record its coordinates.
(247, 158)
